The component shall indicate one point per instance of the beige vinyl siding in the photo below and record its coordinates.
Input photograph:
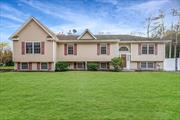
(32, 33)
(87, 52)
(159, 57)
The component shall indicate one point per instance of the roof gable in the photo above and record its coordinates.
(86, 35)
(49, 32)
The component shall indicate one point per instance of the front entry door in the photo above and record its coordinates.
(123, 57)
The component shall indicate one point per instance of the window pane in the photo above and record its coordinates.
(24, 66)
(70, 49)
(103, 65)
(123, 49)
(80, 65)
(36, 47)
(29, 48)
(144, 49)
(151, 49)
(143, 65)
(44, 66)
(150, 65)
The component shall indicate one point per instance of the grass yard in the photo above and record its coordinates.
(89, 96)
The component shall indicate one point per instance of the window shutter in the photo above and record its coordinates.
(108, 48)
(75, 65)
(23, 48)
(139, 49)
(75, 49)
(42, 47)
(108, 66)
(30, 66)
(155, 65)
(18, 66)
(49, 66)
(38, 66)
(98, 49)
(65, 49)
(156, 49)
(138, 65)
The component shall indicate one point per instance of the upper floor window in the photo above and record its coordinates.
(29, 48)
(70, 49)
(123, 49)
(148, 48)
(33, 47)
(37, 48)
(103, 49)
(151, 49)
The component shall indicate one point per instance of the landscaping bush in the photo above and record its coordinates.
(92, 66)
(117, 63)
(61, 66)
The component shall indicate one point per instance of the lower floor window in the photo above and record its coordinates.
(80, 65)
(103, 65)
(24, 65)
(147, 65)
(44, 66)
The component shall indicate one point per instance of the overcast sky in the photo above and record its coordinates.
(109, 16)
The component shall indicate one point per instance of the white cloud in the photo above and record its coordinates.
(78, 20)
(12, 13)
(149, 6)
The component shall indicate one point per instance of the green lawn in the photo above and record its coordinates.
(89, 96)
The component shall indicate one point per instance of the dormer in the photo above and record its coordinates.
(86, 35)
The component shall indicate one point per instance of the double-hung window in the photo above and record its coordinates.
(37, 47)
(103, 66)
(24, 66)
(103, 49)
(151, 48)
(70, 49)
(80, 65)
(148, 48)
(44, 66)
(33, 47)
(29, 48)
(147, 65)
(144, 49)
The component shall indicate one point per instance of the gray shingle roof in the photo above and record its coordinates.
(107, 37)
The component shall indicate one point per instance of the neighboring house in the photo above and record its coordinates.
(36, 48)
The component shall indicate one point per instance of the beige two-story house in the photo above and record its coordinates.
(36, 48)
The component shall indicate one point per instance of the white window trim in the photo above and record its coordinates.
(40, 48)
(106, 48)
(147, 65)
(148, 48)
(67, 49)
(27, 66)
(33, 47)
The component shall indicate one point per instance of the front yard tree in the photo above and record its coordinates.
(117, 63)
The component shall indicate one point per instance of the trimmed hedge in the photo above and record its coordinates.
(61, 66)
(92, 66)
